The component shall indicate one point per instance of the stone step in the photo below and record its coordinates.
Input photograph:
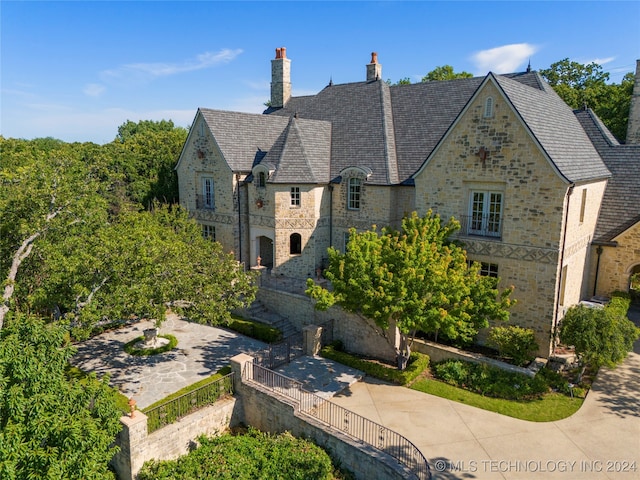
(260, 313)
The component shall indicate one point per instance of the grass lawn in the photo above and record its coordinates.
(552, 406)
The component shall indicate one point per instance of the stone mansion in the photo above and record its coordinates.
(548, 199)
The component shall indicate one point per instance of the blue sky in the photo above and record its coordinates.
(76, 70)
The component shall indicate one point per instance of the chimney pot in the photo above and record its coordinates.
(284, 52)
(374, 57)
(278, 53)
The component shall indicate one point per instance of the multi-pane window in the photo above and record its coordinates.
(353, 199)
(346, 237)
(485, 215)
(209, 231)
(295, 196)
(488, 107)
(489, 269)
(207, 200)
(295, 244)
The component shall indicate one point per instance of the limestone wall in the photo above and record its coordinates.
(171, 441)
(617, 263)
(357, 334)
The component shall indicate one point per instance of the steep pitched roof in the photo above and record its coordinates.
(556, 128)
(246, 140)
(301, 154)
(620, 207)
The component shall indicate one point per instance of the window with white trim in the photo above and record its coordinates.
(209, 232)
(207, 199)
(488, 108)
(485, 214)
(353, 193)
(295, 196)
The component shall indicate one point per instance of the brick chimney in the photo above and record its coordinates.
(280, 79)
(633, 127)
(374, 69)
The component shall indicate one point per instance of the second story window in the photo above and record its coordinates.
(262, 180)
(295, 196)
(488, 107)
(206, 198)
(489, 269)
(485, 214)
(353, 195)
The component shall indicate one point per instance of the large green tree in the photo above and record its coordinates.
(51, 426)
(414, 279)
(601, 336)
(136, 265)
(588, 85)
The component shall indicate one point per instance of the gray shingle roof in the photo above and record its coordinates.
(247, 139)
(620, 207)
(555, 126)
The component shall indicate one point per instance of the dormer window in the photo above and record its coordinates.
(353, 199)
(488, 107)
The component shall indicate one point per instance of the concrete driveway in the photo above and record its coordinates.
(600, 441)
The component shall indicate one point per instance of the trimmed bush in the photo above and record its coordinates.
(256, 330)
(418, 362)
(490, 381)
(514, 343)
(254, 455)
(129, 347)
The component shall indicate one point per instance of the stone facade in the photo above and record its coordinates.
(542, 219)
(616, 264)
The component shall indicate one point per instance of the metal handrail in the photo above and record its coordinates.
(176, 408)
(339, 418)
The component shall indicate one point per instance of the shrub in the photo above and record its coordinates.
(243, 457)
(490, 381)
(256, 330)
(418, 362)
(515, 343)
(129, 347)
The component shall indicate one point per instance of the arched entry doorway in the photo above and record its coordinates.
(265, 251)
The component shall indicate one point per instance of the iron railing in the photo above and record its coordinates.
(343, 420)
(205, 202)
(282, 352)
(172, 410)
(482, 225)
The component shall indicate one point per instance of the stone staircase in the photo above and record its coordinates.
(258, 312)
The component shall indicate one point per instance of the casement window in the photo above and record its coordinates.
(353, 194)
(295, 244)
(488, 108)
(489, 269)
(209, 232)
(295, 196)
(485, 214)
(207, 199)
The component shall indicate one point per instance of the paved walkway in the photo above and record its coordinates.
(600, 441)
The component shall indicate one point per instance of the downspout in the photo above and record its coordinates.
(239, 221)
(330, 215)
(595, 280)
(564, 241)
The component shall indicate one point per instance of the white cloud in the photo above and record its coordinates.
(599, 61)
(93, 89)
(145, 72)
(504, 59)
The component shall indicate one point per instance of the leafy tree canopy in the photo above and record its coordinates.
(415, 279)
(601, 336)
(445, 72)
(50, 426)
